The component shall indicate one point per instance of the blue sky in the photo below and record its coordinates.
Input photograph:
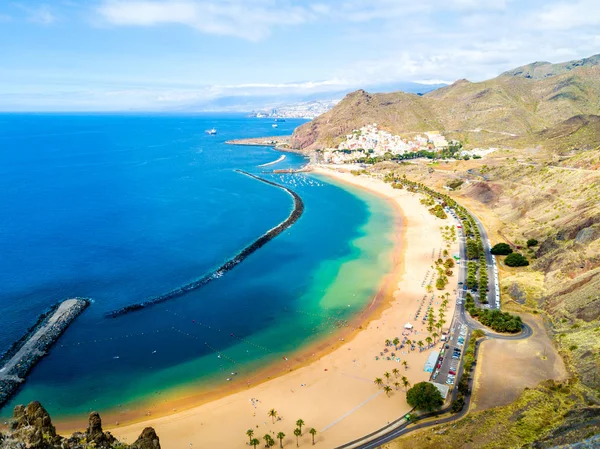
(168, 54)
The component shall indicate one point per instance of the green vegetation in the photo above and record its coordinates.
(424, 396)
(501, 249)
(438, 211)
(532, 242)
(516, 260)
(454, 183)
(494, 319)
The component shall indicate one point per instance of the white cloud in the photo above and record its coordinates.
(567, 16)
(248, 19)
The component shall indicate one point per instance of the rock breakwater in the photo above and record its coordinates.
(231, 263)
(16, 363)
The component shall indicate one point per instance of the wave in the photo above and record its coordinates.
(231, 263)
(282, 157)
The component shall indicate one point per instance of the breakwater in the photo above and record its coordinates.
(281, 158)
(16, 363)
(229, 264)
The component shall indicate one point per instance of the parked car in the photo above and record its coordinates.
(453, 372)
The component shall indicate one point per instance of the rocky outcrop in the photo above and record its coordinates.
(147, 440)
(32, 428)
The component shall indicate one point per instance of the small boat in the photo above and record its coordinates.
(211, 131)
(274, 125)
(153, 352)
(280, 120)
(116, 357)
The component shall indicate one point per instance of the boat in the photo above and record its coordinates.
(211, 131)
(280, 120)
(274, 125)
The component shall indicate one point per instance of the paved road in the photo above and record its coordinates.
(459, 320)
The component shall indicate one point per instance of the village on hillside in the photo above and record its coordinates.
(370, 144)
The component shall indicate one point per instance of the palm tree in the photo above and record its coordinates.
(281, 436)
(254, 442)
(405, 363)
(406, 383)
(429, 340)
(397, 385)
(313, 432)
(273, 414)
(387, 376)
(378, 381)
(297, 432)
(408, 342)
(396, 341)
(268, 439)
(395, 372)
(387, 390)
(300, 423)
(388, 342)
(435, 336)
(250, 434)
(420, 344)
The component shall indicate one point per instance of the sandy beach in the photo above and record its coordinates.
(333, 393)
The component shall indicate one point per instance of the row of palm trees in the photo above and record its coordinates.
(386, 387)
(270, 442)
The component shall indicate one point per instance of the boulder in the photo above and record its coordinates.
(586, 235)
(147, 440)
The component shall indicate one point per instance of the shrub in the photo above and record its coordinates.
(516, 260)
(532, 242)
(501, 249)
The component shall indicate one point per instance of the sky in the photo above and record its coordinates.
(110, 55)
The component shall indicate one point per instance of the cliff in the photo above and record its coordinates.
(32, 428)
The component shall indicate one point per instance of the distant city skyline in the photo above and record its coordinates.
(163, 55)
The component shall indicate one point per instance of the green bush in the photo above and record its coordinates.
(424, 396)
(501, 249)
(532, 242)
(516, 260)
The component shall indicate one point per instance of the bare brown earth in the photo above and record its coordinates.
(507, 367)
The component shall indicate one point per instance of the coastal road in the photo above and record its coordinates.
(459, 320)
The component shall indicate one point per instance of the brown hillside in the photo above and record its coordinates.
(488, 112)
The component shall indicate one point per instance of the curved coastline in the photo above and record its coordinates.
(306, 356)
(296, 213)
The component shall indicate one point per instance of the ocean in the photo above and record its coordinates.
(122, 208)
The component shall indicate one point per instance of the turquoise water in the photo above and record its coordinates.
(124, 208)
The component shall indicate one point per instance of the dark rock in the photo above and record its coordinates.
(147, 440)
(94, 426)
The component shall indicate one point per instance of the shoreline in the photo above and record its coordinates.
(298, 360)
(321, 369)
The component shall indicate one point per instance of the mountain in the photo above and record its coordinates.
(483, 113)
(539, 70)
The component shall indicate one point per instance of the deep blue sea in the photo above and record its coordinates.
(121, 208)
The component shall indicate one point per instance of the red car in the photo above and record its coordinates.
(452, 372)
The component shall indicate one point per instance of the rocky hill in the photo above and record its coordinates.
(31, 428)
(493, 112)
(543, 69)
